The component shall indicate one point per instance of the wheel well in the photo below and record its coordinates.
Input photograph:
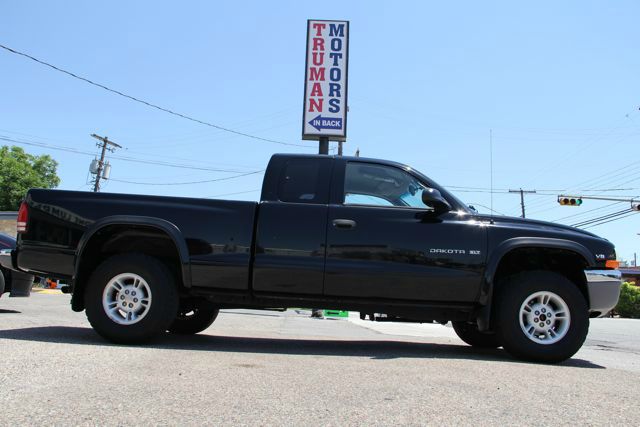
(117, 239)
(565, 262)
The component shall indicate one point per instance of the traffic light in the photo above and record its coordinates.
(635, 206)
(569, 200)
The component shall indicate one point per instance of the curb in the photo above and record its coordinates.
(47, 291)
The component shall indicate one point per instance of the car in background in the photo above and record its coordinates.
(17, 283)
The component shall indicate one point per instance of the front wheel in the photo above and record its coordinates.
(131, 298)
(541, 316)
(194, 315)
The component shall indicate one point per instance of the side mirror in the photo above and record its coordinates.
(432, 198)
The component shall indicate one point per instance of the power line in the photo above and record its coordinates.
(149, 104)
(611, 220)
(486, 207)
(600, 218)
(123, 158)
(173, 165)
(618, 172)
(187, 183)
(583, 147)
(237, 192)
(587, 212)
(42, 144)
(551, 191)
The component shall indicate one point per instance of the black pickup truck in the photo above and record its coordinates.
(348, 233)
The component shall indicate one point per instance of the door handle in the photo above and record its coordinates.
(344, 223)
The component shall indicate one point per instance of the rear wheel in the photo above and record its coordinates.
(469, 333)
(194, 315)
(541, 316)
(2, 282)
(131, 298)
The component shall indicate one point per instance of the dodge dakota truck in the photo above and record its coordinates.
(344, 233)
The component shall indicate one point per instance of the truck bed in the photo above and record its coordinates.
(218, 233)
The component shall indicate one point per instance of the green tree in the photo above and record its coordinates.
(629, 302)
(20, 171)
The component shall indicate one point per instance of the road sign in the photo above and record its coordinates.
(325, 82)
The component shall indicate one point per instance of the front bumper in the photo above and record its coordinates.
(604, 290)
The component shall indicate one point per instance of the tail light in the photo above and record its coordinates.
(23, 218)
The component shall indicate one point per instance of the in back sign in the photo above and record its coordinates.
(325, 83)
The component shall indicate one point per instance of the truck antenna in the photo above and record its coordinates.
(491, 166)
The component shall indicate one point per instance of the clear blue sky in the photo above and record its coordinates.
(557, 82)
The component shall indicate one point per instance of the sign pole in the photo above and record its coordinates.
(323, 147)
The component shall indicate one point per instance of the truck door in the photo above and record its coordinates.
(383, 242)
(292, 222)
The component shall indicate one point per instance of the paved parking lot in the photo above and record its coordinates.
(254, 367)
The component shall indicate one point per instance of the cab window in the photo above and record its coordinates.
(379, 185)
(300, 181)
(365, 199)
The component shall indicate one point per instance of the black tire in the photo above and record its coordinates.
(511, 298)
(194, 315)
(2, 281)
(160, 309)
(469, 333)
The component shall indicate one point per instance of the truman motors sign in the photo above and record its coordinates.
(325, 83)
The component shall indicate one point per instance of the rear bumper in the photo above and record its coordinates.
(43, 260)
(5, 259)
(21, 282)
(604, 290)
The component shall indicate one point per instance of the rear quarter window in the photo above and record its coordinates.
(300, 182)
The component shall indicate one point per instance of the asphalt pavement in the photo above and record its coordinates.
(260, 367)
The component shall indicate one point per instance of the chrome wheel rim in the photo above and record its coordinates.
(126, 299)
(544, 317)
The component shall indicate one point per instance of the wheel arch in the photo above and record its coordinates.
(580, 258)
(102, 233)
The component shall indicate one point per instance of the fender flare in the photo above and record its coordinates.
(486, 292)
(163, 225)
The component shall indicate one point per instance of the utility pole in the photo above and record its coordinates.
(522, 192)
(104, 144)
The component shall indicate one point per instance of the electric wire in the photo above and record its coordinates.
(584, 145)
(235, 193)
(149, 104)
(611, 220)
(123, 158)
(587, 212)
(187, 183)
(144, 153)
(474, 204)
(611, 215)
